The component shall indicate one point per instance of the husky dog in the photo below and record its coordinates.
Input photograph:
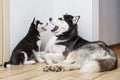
(68, 51)
(28, 49)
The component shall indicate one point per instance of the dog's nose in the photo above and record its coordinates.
(46, 24)
(50, 19)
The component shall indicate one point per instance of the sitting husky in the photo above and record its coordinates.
(28, 49)
(68, 51)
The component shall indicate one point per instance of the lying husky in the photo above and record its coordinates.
(28, 49)
(68, 51)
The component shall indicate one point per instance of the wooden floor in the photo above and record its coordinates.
(35, 72)
(116, 49)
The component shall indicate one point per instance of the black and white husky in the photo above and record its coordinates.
(68, 51)
(28, 49)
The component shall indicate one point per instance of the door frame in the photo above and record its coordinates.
(5, 30)
(1, 32)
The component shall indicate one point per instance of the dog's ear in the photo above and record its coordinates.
(75, 19)
(34, 21)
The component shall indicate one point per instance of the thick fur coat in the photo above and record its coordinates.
(68, 51)
(28, 49)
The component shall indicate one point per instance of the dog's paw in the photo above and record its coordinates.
(54, 68)
(40, 60)
(46, 68)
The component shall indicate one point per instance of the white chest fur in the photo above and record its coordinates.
(37, 53)
(53, 48)
(39, 43)
(58, 48)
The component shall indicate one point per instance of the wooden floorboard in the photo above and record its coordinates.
(116, 49)
(35, 72)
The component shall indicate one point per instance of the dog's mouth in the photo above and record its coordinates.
(44, 27)
(54, 29)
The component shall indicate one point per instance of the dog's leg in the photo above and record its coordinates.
(26, 59)
(72, 58)
(72, 62)
(38, 56)
(40, 60)
(46, 48)
(61, 67)
(52, 58)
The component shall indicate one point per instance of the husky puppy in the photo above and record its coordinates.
(28, 49)
(68, 51)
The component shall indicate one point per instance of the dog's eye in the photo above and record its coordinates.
(38, 22)
(60, 19)
(41, 23)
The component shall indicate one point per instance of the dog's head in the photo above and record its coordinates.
(39, 26)
(65, 24)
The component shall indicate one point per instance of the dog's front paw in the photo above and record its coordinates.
(40, 60)
(46, 68)
(54, 68)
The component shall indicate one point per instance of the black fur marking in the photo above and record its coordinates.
(60, 18)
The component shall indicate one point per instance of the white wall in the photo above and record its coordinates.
(23, 11)
(95, 20)
(21, 14)
(110, 21)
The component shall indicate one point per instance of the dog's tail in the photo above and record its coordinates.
(100, 65)
(107, 64)
(8, 64)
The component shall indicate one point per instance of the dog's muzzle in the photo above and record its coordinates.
(44, 27)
